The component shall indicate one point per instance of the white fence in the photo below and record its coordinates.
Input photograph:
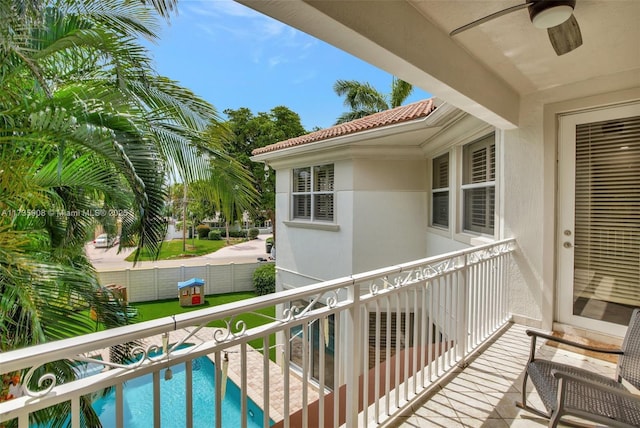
(162, 282)
(369, 344)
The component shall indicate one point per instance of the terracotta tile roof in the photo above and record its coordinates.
(406, 113)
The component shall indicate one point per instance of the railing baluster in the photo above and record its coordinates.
(398, 354)
(265, 381)
(433, 333)
(377, 364)
(306, 356)
(321, 369)
(243, 385)
(424, 334)
(188, 385)
(365, 364)
(473, 299)
(75, 412)
(119, 406)
(156, 399)
(337, 368)
(416, 328)
(285, 372)
(485, 298)
(440, 338)
(218, 394)
(352, 362)
(387, 356)
(407, 343)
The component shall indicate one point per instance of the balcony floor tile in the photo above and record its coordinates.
(485, 392)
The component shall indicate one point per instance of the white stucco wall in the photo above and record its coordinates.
(380, 214)
(389, 212)
(317, 254)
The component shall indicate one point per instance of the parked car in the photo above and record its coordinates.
(105, 241)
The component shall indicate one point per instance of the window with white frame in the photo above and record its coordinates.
(440, 191)
(478, 185)
(313, 196)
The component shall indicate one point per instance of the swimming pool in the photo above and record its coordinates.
(138, 401)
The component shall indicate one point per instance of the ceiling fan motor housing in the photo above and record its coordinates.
(550, 13)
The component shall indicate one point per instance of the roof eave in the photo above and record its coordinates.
(437, 117)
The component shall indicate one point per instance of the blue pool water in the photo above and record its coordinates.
(138, 401)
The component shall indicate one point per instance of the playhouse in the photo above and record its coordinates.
(190, 292)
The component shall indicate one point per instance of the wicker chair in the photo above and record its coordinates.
(568, 390)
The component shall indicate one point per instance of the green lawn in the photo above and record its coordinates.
(163, 308)
(173, 249)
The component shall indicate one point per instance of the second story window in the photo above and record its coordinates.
(313, 196)
(440, 192)
(478, 185)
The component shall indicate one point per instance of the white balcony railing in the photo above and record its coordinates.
(370, 343)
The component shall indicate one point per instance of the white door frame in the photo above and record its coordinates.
(566, 213)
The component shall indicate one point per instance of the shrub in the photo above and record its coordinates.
(203, 231)
(215, 235)
(269, 240)
(264, 279)
(237, 234)
(254, 232)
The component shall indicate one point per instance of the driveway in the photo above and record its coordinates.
(106, 259)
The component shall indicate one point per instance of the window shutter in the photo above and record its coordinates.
(440, 194)
(301, 180)
(323, 207)
(607, 211)
(441, 172)
(324, 178)
(479, 165)
(302, 206)
(478, 185)
(323, 202)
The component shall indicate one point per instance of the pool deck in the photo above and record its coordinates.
(255, 376)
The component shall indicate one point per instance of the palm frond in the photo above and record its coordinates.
(400, 91)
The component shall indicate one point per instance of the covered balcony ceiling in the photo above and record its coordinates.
(485, 70)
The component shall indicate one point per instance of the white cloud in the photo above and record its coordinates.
(222, 19)
(219, 8)
(276, 60)
(305, 77)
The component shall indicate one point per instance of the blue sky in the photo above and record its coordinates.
(235, 57)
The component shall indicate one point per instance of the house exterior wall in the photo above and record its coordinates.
(389, 202)
(380, 214)
(306, 255)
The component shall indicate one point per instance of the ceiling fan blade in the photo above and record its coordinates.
(566, 36)
(489, 18)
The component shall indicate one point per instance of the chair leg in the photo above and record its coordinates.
(555, 419)
(524, 388)
(555, 416)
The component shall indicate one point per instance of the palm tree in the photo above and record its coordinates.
(85, 127)
(363, 99)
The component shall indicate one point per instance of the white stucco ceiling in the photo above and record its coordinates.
(522, 54)
(488, 70)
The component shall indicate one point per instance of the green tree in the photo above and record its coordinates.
(250, 132)
(362, 99)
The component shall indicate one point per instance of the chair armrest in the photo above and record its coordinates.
(622, 393)
(534, 333)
